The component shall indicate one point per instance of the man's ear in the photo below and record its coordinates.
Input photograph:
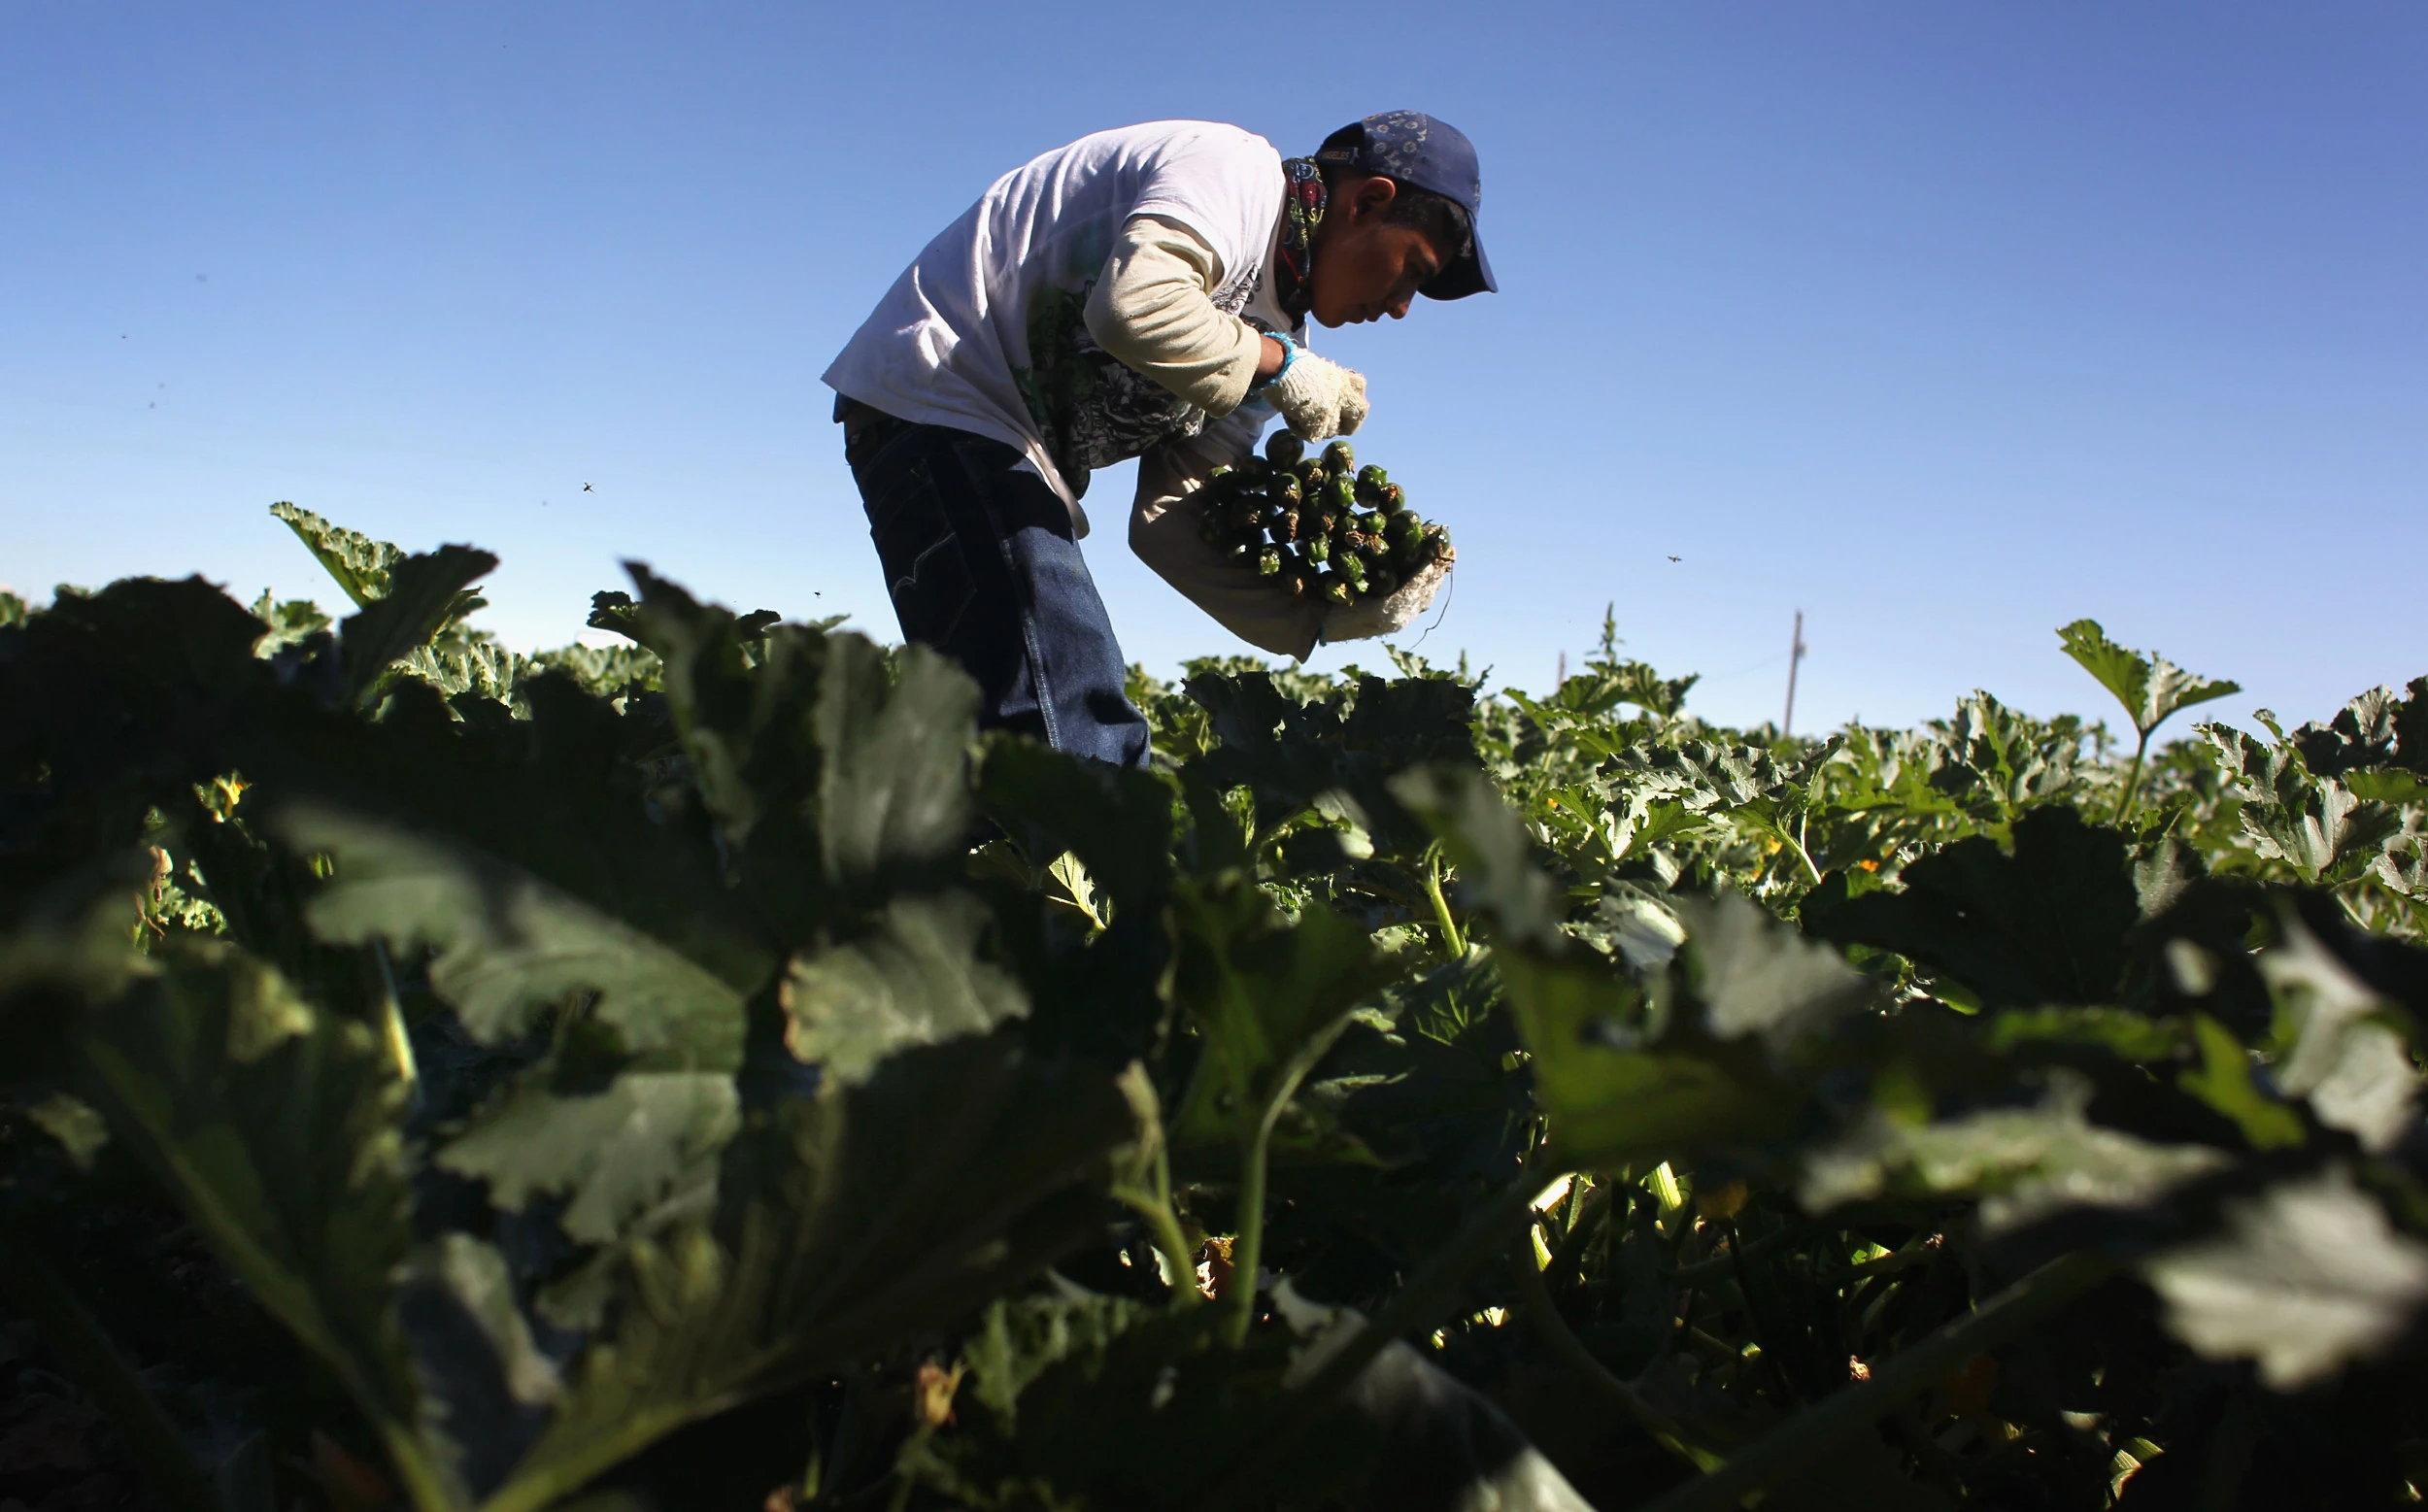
(1372, 197)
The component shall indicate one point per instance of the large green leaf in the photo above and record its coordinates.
(1617, 1090)
(1423, 1081)
(111, 701)
(1630, 1074)
(2024, 1163)
(1996, 763)
(426, 592)
(1019, 1339)
(914, 979)
(2048, 923)
(359, 564)
(2317, 826)
(2224, 1081)
(840, 772)
(2307, 1277)
(1090, 1401)
(606, 670)
(289, 622)
(1701, 775)
(1703, 1061)
(645, 1139)
(853, 1220)
(585, 793)
(1756, 977)
(893, 791)
(402, 601)
(744, 706)
(1117, 821)
(2151, 688)
(1292, 754)
(1091, 840)
(508, 945)
(1268, 996)
(2350, 1058)
(487, 1386)
(2373, 730)
(274, 1125)
(1109, 1408)
(484, 669)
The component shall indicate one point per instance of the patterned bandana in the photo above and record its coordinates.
(1302, 210)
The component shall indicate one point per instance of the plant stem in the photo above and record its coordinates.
(1454, 944)
(1803, 1440)
(152, 1441)
(1151, 1198)
(1544, 1315)
(1163, 1232)
(392, 1033)
(1247, 1247)
(1797, 841)
(2132, 781)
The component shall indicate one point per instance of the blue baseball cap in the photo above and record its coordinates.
(1412, 148)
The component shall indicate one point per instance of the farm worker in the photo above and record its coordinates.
(1142, 292)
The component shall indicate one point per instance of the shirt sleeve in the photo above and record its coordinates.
(1152, 309)
(1164, 533)
(1224, 184)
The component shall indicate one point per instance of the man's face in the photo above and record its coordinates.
(1365, 269)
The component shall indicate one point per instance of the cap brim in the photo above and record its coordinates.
(1469, 275)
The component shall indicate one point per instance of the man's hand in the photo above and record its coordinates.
(1319, 399)
(1369, 617)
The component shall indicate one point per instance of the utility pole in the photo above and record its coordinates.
(1564, 673)
(1795, 656)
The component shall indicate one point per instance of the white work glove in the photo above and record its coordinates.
(1371, 617)
(1318, 399)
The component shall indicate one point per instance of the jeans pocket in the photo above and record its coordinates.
(926, 573)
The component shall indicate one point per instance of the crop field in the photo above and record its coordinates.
(707, 1074)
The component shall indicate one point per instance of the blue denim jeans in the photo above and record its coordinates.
(981, 566)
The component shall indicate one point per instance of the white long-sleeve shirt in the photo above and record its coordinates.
(1101, 302)
(987, 330)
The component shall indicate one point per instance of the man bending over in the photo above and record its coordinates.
(1142, 292)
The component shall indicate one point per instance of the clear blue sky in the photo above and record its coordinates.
(1947, 321)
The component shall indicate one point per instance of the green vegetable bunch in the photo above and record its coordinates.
(1320, 525)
